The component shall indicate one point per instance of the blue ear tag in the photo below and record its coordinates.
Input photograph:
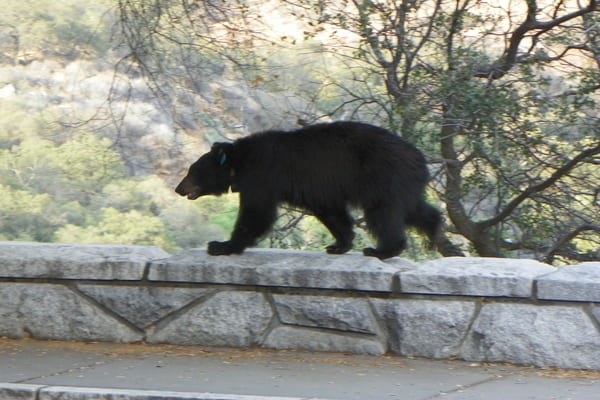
(223, 159)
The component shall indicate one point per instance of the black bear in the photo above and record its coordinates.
(324, 169)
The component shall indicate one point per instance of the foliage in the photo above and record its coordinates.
(77, 192)
(23, 215)
(114, 227)
(88, 162)
(65, 28)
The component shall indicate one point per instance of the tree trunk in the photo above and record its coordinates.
(480, 238)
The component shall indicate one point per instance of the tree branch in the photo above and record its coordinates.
(555, 249)
(527, 193)
(510, 57)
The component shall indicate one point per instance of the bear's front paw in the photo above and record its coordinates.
(219, 249)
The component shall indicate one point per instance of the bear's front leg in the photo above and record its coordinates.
(255, 218)
(222, 248)
(339, 222)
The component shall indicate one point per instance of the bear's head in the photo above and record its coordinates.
(211, 174)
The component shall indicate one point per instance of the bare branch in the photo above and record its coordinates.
(560, 243)
(527, 193)
(510, 57)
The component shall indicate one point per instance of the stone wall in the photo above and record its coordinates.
(476, 309)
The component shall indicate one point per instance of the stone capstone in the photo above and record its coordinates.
(490, 277)
(425, 328)
(560, 336)
(575, 283)
(105, 262)
(228, 318)
(46, 311)
(279, 268)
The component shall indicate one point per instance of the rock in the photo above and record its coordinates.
(7, 91)
(349, 315)
(287, 337)
(45, 311)
(278, 268)
(19, 391)
(596, 312)
(66, 261)
(425, 328)
(490, 277)
(545, 336)
(142, 306)
(574, 283)
(229, 318)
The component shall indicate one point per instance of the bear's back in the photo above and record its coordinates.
(351, 138)
(351, 146)
(330, 163)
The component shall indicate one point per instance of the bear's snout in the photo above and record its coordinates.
(187, 188)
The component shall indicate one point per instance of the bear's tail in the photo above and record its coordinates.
(428, 220)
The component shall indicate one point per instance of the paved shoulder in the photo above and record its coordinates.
(41, 370)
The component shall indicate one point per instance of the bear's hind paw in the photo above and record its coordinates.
(382, 255)
(337, 249)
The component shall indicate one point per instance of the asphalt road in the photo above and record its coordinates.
(188, 372)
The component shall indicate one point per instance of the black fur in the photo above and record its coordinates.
(324, 169)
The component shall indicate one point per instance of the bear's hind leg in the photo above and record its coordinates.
(339, 223)
(386, 223)
(427, 219)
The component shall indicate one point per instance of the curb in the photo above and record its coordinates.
(23, 391)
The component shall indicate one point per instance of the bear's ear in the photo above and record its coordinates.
(222, 151)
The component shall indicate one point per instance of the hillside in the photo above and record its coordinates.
(89, 153)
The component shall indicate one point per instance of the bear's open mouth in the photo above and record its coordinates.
(193, 195)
